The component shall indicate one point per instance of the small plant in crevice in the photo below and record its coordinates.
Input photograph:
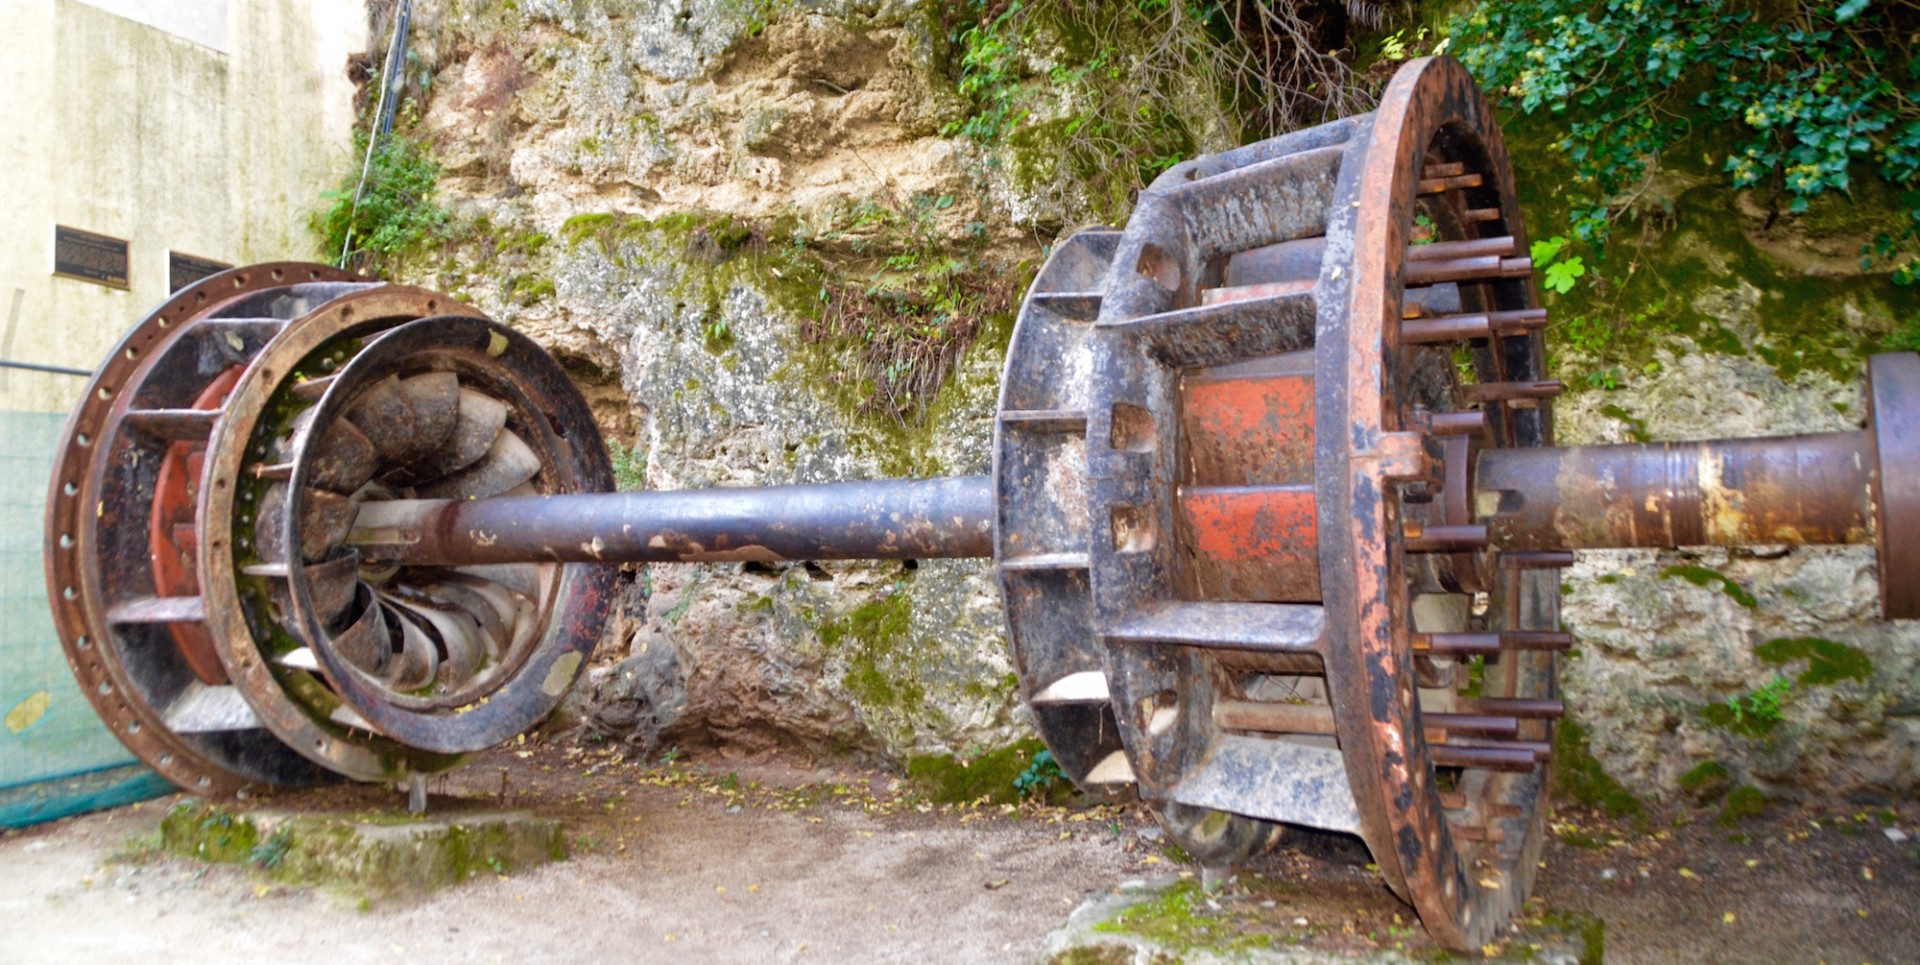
(1755, 713)
(396, 213)
(925, 300)
(1040, 777)
(629, 466)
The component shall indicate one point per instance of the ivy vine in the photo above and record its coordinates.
(1814, 98)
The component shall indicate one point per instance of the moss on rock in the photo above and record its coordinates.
(991, 776)
(365, 856)
(1578, 777)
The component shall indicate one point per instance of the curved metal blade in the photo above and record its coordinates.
(382, 412)
(365, 643)
(418, 661)
(495, 631)
(435, 398)
(481, 419)
(343, 459)
(331, 584)
(509, 462)
(459, 637)
(324, 524)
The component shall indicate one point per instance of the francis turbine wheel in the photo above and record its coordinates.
(371, 668)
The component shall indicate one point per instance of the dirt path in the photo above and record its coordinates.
(783, 865)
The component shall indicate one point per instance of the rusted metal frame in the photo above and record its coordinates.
(1161, 696)
(1458, 328)
(1169, 254)
(1893, 413)
(1489, 644)
(1318, 719)
(1371, 675)
(287, 701)
(945, 518)
(536, 389)
(1792, 490)
(1041, 525)
(76, 509)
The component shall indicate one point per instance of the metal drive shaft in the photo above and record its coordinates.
(1793, 490)
(894, 519)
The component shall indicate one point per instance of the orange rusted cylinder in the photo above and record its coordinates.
(1792, 490)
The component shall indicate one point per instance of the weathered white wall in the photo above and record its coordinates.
(203, 126)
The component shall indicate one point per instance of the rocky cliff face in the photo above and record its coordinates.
(671, 196)
(643, 176)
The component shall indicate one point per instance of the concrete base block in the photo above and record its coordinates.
(366, 856)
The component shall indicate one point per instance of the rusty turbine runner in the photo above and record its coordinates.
(1275, 511)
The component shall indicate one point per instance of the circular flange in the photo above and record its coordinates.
(99, 512)
(293, 702)
(1893, 399)
(1465, 890)
(546, 419)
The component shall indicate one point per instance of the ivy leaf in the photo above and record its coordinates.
(1547, 249)
(1561, 274)
(1849, 10)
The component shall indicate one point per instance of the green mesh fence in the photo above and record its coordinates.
(56, 757)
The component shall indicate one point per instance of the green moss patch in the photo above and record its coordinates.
(1704, 576)
(993, 776)
(1179, 919)
(1745, 802)
(1828, 661)
(874, 636)
(1587, 931)
(365, 856)
(1706, 782)
(1578, 776)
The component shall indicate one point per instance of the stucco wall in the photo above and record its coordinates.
(146, 130)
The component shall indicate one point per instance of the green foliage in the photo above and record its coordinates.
(1754, 714)
(1097, 99)
(1828, 661)
(270, 853)
(1702, 576)
(1559, 272)
(1040, 776)
(629, 466)
(993, 777)
(1811, 91)
(397, 213)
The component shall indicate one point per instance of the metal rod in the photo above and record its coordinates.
(894, 519)
(37, 367)
(1793, 490)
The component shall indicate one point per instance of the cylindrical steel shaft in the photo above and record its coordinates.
(894, 519)
(1734, 492)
